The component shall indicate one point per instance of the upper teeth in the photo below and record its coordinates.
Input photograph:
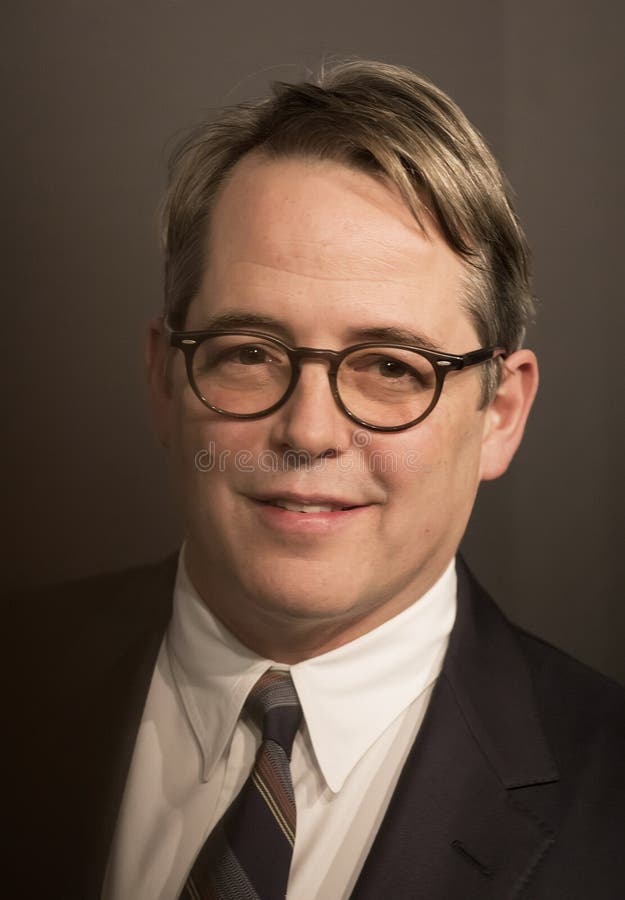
(305, 507)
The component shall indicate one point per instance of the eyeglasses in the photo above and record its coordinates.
(383, 387)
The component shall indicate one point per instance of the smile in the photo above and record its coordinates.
(294, 515)
(305, 507)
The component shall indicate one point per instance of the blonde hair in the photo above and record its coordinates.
(382, 119)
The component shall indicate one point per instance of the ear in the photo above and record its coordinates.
(156, 358)
(507, 413)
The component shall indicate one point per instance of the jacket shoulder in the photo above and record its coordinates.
(66, 624)
(559, 676)
(581, 711)
(78, 595)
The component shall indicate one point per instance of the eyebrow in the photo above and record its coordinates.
(255, 322)
(394, 336)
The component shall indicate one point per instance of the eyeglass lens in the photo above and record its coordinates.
(382, 386)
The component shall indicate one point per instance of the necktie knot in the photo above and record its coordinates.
(274, 706)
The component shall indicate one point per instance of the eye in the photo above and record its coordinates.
(387, 372)
(388, 368)
(391, 368)
(250, 355)
(237, 354)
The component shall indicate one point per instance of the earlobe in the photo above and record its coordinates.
(508, 412)
(156, 357)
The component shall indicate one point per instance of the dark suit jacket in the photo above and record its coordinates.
(514, 788)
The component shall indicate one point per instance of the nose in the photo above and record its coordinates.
(310, 423)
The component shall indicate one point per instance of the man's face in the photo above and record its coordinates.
(325, 254)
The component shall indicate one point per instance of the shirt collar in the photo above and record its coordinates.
(349, 696)
(212, 670)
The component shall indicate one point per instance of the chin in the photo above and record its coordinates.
(297, 600)
(300, 603)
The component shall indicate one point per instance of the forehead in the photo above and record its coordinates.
(330, 240)
(324, 209)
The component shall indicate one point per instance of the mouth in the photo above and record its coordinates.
(300, 516)
(307, 506)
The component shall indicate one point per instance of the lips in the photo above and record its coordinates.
(308, 504)
(306, 517)
(306, 507)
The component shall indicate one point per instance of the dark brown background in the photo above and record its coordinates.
(93, 94)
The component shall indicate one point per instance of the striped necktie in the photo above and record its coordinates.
(248, 854)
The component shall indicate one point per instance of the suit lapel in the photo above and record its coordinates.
(465, 818)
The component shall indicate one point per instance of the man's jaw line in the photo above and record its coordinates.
(290, 636)
(293, 633)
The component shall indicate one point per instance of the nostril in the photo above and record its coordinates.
(303, 459)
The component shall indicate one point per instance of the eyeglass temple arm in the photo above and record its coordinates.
(480, 356)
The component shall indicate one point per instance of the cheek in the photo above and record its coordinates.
(430, 471)
(190, 443)
(199, 429)
(212, 454)
(455, 468)
(406, 459)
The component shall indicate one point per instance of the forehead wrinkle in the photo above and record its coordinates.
(320, 276)
(354, 254)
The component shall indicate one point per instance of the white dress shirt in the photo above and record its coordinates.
(362, 705)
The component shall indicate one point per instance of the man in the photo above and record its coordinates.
(316, 698)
